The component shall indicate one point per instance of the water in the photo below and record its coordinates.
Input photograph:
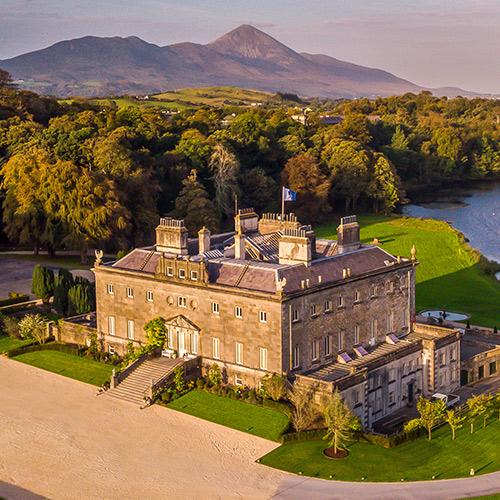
(474, 211)
(450, 316)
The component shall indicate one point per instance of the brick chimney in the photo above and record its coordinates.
(203, 240)
(348, 234)
(295, 246)
(172, 236)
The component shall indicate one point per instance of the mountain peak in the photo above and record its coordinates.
(249, 42)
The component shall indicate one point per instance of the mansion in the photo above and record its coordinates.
(270, 297)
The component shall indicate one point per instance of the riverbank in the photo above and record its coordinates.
(448, 276)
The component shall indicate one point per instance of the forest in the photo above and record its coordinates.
(76, 174)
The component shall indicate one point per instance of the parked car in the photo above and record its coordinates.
(450, 400)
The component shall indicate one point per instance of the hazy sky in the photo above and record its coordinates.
(430, 42)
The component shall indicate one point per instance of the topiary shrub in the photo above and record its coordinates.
(42, 283)
(63, 283)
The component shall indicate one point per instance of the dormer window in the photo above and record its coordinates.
(194, 275)
(182, 274)
(170, 271)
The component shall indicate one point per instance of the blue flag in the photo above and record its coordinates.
(289, 195)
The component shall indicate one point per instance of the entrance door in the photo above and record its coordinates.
(410, 392)
(464, 377)
(183, 341)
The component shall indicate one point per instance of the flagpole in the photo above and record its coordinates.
(282, 203)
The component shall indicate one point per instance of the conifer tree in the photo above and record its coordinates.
(194, 205)
(384, 185)
(63, 283)
(42, 284)
(399, 139)
(80, 299)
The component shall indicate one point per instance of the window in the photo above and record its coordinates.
(263, 358)
(182, 274)
(314, 309)
(215, 308)
(111, 325)
(328, 345)
(182, 301)
(442, 358)
(357, 296)
(373, 330)
(194, 275)
(356, 334)
(391, 398)
(111, 350)
(238, 380)
(355, 397)
(340, 301)
(170, 338)
(328, 306)
(296, 356)
(238, 312)
(110, 289)
(390, 322)
(315, 350)
(263, 316)
(373, 291)
(130, 293)
(452, 354)
(493, 367)
(216, 348)
(170, 271)
(239, 353)
(403, 318)
(341, 340)
(194, 343)
(130, 329)
(149, 296)
(295, 315)
(390, 287)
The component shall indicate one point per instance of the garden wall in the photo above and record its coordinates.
(74, 330)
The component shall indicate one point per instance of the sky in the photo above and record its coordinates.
(429, 42)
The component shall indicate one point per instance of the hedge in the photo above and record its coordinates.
(14, 300)
(51, 346)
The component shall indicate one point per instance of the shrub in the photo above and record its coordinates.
(215, 375)
(179, 383)
(156, 332)
(11, 327)
(274, 387)
(166, 396)
(34, 326)
(200, 383)
(42, 284)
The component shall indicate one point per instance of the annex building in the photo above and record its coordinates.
(271, 297)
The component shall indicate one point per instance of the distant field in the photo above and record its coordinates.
(447, 277)
(188, 98)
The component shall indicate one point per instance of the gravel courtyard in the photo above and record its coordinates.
(59, 440)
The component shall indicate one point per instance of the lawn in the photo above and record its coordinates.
(411, 461)
(246, 417)
(8, 343)
(65, 261)
(448, 276)
(69, 365)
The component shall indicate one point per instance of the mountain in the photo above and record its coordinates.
(244, 57)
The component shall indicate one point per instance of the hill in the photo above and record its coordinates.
(244, 57)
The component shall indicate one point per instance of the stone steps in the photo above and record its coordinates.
(134, 386)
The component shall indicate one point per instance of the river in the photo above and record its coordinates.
(474, 211)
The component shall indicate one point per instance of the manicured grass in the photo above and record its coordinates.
(412, 461)
(246, 417)
(8, 343)
(65, 261)
(69, 365)
(448, 276)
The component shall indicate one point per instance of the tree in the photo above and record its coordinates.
(5, 78)
(156, 332)
(80, 299)
(274, 386)
(340, 423)
(399, 140)
(303, 174)
(34, 326)
(384, 184)
(348, 162)
(454, 420)
(225, 168)
(304, 410)
(431, 413)
(478, 406)
(42, 283)
(258, 189)
(63, 283)
(194, 206)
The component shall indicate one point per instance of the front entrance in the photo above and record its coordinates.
(182, 337)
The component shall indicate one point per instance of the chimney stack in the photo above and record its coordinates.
(246, 221)
(348, 234)
(172, 236)
(203, 240)
(295, 246)
(239, 246)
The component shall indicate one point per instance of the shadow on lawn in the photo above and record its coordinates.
(13, 492)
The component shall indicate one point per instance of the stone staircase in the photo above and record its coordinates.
(133, 387)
